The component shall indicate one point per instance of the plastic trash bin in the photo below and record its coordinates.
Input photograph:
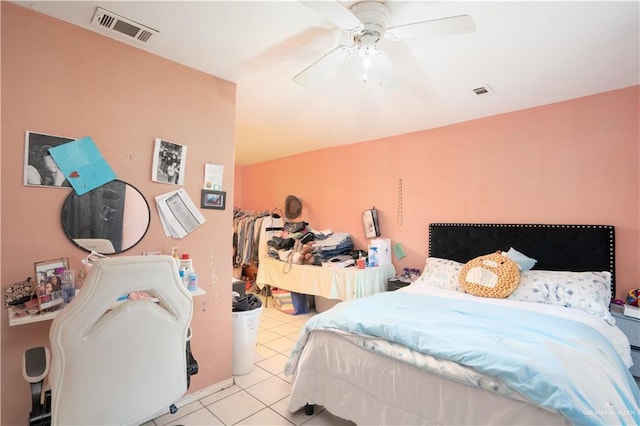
(244, 331)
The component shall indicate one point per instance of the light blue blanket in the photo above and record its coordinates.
(562, 365)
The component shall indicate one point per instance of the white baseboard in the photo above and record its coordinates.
(191, 397)
(195, 396)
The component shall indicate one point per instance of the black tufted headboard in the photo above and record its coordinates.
(556, 247)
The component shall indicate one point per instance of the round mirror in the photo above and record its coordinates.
(109, 219)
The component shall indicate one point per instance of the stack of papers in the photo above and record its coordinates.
(178, 215)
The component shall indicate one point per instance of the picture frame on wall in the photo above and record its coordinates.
(169, 162)
(39, 167)
(213, 199)
(49, 282)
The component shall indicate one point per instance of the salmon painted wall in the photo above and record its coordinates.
(63, 80)
(573, 162)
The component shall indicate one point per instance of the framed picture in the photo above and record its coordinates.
(49, 282)
(39, 167)
(169, 160)
(213, 199)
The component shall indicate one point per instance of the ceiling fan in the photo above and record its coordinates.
(365, 23)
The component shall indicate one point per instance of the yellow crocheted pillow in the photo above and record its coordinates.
(492, 275)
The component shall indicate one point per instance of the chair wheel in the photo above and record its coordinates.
(308, 409)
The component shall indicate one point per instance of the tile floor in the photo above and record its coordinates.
(260, 397)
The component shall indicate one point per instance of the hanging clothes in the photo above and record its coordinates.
(272, 225)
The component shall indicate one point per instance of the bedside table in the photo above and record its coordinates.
(631, 328)
(396, 283)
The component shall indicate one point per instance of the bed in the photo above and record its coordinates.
(431, 354)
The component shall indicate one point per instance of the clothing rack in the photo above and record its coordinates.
(251, 231)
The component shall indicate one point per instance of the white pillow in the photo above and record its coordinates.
(442, 273)
(588, 291)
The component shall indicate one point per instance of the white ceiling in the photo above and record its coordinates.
(529, 53)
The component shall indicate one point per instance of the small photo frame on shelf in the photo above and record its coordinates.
(49, 282)
(169, 162)
(213, 199)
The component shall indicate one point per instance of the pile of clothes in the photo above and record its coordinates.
(245, 302)
(301, 244)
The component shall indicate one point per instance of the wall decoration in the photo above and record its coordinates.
(213, 177)
(178, 214)
(39, 167)
(169, 162)
(82, 164)
(49, 282)
(213, 199)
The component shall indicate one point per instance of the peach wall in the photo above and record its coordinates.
(571, 162)
(63, 80)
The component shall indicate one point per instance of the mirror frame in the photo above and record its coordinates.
(73, 195)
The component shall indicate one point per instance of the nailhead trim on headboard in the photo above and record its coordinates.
(556, 247)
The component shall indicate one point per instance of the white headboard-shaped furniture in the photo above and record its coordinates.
(121, 362)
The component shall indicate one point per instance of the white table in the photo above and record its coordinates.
(328, 282)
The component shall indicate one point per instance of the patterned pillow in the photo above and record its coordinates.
(442, 273)
(588, 291)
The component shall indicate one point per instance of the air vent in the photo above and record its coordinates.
(126, 29)
(484, 90)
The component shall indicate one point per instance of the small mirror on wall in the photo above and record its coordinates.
(110, 219)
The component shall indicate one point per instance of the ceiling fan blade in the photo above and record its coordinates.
(435, 27)
(335, 12)
(323, 65)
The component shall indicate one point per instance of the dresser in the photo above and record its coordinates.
(631, 328)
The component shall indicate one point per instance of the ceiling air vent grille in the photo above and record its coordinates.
(484, 90)
(113, 24)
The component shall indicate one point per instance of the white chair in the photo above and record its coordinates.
(117, 362)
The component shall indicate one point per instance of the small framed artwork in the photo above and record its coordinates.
(213, 199)
(169, 160)
(39, 167)
(49, 282)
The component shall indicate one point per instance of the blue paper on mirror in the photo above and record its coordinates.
(82, 164)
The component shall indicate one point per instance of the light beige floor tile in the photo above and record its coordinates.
(285, 329)
(207, 400)
(265, 417)
(285, 378)
(201, 417)
(283, 344)
(256, 375)
(265, 336)
(295, 336)
(270, 323)
(262, 353)
(274, 364)
(270, 391)
(236, 407)
(168, 418)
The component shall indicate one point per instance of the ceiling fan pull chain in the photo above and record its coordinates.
(400, 218)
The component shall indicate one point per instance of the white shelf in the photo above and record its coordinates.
(198, 292)
(18, 318)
